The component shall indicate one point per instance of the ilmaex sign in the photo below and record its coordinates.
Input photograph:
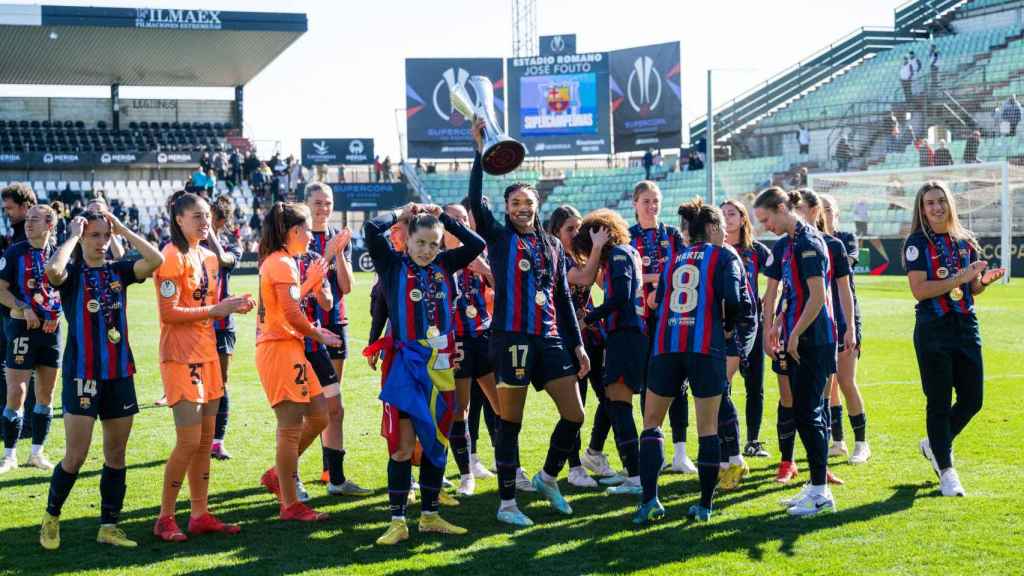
(337, 151)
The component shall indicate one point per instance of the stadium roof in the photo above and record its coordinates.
(64, 45)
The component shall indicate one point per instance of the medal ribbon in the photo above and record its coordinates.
(652, 248)
(430, 289)
(538, 260)
(97, 284)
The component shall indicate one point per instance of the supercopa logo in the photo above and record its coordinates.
(643, 88)
(451, 79)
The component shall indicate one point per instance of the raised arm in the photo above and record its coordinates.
(486, 226)
(56, 266)
(151, 256)
(472, 244)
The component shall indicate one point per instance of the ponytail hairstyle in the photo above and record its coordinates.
(746, 228)
(811, 199)
(559, 217)
(695, 215)
(89, 216)
(773, 197)
(641, 187)
(618, 233)
(278, 221)
(954, 228)
(180, 202)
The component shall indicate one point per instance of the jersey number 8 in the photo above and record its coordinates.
(685, 280)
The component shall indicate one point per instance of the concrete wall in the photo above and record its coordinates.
(93, 110)
(995, 17)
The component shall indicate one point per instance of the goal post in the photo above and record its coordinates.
(879, 204)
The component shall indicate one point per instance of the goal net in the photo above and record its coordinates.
(878, 205)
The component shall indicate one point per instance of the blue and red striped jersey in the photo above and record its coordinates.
(583, 301)
(794, 260)
(230, 244)
(623, 306)
(337, 314)
(95, 306)
(754, 260)
(838, 267)
(24, 269)
(308, 304)
(692, 294)
(471, 316)
(849, 239)
(531, 292)
(940, 258)
(657, 247)
(419, 298)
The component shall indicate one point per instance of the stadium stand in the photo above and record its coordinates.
(67, 136)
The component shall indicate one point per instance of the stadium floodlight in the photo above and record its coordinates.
(883, 200)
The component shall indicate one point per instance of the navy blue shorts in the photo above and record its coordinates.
(320, 360)
(625, 358)
(816, 366)
(103, 399)
(226, 342)
(742, 341)
(27, 349)
(669, 373)
(339, 352)
(522, 359)
(473, 356)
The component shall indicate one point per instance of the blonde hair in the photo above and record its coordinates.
(954, 228)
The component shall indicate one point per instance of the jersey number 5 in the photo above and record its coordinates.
(685, 280)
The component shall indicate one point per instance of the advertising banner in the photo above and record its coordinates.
(647, 106)
(335, 151)
(559, 105)
(369, 195)
(434, 128)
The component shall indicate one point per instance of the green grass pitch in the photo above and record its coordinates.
(890, 517)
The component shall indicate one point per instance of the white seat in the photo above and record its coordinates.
(51, 186)
(153, 184)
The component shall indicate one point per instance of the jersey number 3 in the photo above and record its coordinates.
(685, 280)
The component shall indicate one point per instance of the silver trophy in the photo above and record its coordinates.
(501, 154)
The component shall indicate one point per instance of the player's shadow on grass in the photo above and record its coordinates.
(599, 537)
(40, 477)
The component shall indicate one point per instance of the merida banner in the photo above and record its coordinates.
(96, 159)
(647, 106)
(334, 151)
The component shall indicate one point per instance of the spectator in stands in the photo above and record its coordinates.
(234, 169)
(943, 157)
(908, 138)
(648, 162)
(293, 174)
(60, 229)
(419, 167)
(211, 183)
(386, 168)
(860, 216)
(925, 153)
(205, 161)
(220, 165)
(1012, 113)
(197, 181)
(933, 67)
(377, 168)
(971, 148)
(915, 63)
(891, 127)
(256, 221)
(906, 78)
(133, 216)
(249, 165)
(843, 154)
(803, 136)
(799, 178)
(696, 161)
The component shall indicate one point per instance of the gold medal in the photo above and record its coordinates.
(438, 276)
(647, 261)
(115, 286)
(471, 311)
(93, 306)
(541, 299)
(113, 335)
(416, 295)
(956, 293)
(31, 283)
(433, 332)
(524, 265)
(942, 273)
